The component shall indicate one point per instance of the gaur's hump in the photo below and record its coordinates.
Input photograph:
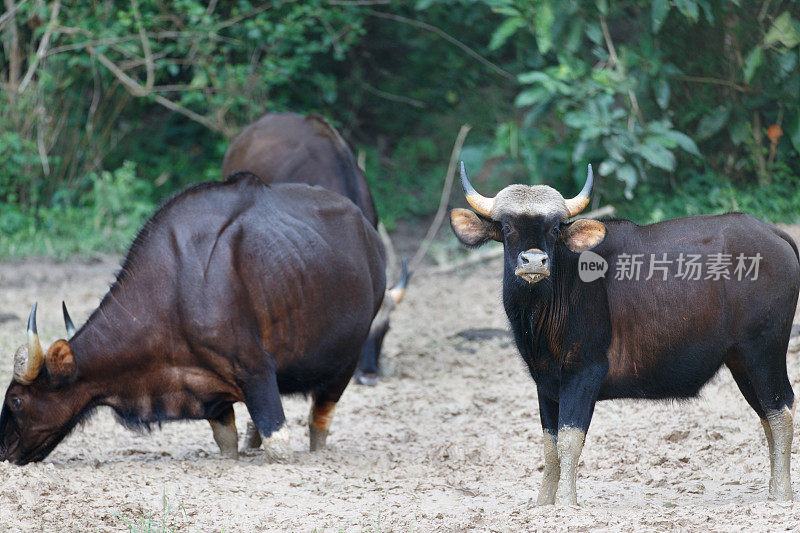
(323, 127)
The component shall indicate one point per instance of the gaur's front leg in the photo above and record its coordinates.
(548, 413)
(576, 398)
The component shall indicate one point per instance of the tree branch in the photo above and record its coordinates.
(392, 97)
(136, 89)
(448, 185)
(617, 64)
(148, 54)
(447, 37)
(40, 53)
(715, 81)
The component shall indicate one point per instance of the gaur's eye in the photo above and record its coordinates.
(15, 403)
(556, 231)
(508, 230)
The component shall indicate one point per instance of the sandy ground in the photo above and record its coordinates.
(450, 440)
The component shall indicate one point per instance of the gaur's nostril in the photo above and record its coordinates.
(544, 261)
(524, 259)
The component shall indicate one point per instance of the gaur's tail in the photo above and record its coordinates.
(788, 238)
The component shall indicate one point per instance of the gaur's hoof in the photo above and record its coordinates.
(368, 379)
(781, 495)
(317, 438)
(566, 498)
(276, 447)
(230, 453)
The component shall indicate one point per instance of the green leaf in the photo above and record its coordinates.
(689, 8)
(657, 155)
(531, 97)
(713, 122)
(504, 31)
(784, 31)
(628, 175)
(594, 33)
(607, 167)
(658, 13)
(534, 76)
(739, 131)
(662, 93)
(684, 141)
(752, 62)
(543, 28)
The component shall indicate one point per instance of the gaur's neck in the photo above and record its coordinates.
(539, 313)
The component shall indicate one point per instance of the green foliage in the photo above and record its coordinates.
(666, 98)
(710, 193)
(106, 217)
(656, 92)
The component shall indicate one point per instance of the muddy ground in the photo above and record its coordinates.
(449, 440)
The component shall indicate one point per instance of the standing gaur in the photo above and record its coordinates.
(233, 291)
(292, 148)
(657, 336)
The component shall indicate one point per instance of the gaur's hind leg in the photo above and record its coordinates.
(253, 438)
(323, 403)
(224, 429)
(765, 377)
(780, 422)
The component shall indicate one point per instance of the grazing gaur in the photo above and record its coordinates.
(657, 336)
(292, 148)
(233, 291)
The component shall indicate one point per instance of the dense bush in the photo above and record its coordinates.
(107, 107)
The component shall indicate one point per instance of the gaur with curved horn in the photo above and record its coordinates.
(181, 342)
(29, 358)
(593, 325)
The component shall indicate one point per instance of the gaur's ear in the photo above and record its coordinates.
(583, 234)
(473, 229)
(59, 361)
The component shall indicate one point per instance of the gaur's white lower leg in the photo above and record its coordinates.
(276, 446)
(569, 447)
(552, 470)
(319, 421)
(771, 447)
(253, 438)
(781, 427)
(225, 436)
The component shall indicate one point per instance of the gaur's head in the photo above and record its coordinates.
(39, 409)
(531, 221)
(367, 373)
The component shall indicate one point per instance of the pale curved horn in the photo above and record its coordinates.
(399, 291)
(579, 203)
(67, 320)
(481, 204)
(29, 359)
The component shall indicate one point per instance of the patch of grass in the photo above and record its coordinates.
(104, 216)
(711, 193)
(165, 521)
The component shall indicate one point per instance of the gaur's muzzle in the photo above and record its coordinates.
(532, 265)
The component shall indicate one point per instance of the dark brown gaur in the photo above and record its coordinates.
(233, 291)
(659, 337)
(292, 148)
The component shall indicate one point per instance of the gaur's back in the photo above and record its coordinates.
(298, 266)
